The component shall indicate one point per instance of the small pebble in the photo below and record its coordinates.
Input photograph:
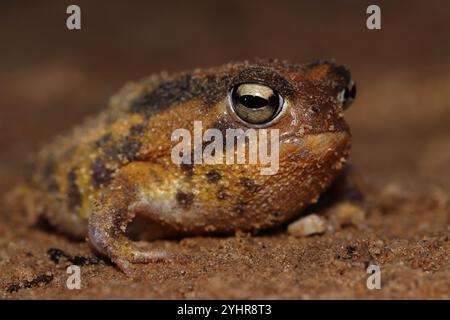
(307, 226)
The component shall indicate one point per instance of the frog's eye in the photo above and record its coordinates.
(347, 95)
(255, 103)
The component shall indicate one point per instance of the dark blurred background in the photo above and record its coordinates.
(51, 78)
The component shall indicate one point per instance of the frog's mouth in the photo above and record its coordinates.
(319, 145)
(322, 143)
(318, 139)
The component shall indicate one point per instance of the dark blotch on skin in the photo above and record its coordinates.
(188, 169)
(221, 194)
(184, 199)
(116, 153)
(131, 145)
(315, 109)
(216, 88)
(111, 153)
(73, 192)
(103, 141)
(137, 129)
(130, 149)
(187, 87)
(213, 176)
(101, 175)
(122, 151)
(250, 185)
(48, 174)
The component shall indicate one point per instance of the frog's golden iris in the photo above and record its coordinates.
(256, 103)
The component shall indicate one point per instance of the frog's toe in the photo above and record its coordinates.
(141, 253)
(124, 252)
(133, 254)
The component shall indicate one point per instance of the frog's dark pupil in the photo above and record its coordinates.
(274, 100)
(253, 102)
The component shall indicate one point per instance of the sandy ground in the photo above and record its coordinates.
(52, 78)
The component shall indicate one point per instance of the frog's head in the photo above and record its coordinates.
(306, 104)
(299, 100)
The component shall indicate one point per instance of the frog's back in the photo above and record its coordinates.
(69, 174)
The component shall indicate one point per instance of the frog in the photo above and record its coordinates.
(115, 169)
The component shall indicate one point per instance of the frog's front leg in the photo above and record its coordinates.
(114, 209)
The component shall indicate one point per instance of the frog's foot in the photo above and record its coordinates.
(107, 234)
(113, 211)
(113, 242)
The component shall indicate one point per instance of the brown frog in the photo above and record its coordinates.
(118, 165)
